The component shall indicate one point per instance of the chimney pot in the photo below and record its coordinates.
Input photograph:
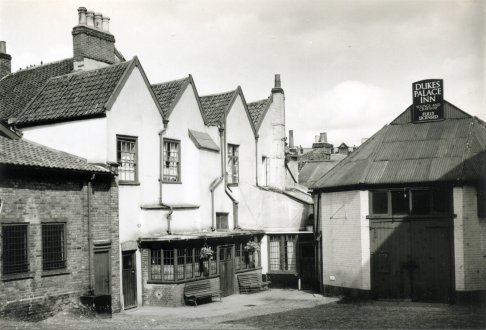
(5, 60)
(3, 47)
(316, 138)
(291, 138)
(277, 81)
(90, 18)
(98, 19)
(106, 24)
(82, 15)
(323, 137)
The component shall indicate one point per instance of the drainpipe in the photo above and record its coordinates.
(216, 182)
(161, 176)
(90, 248)
(256, 159)
(222, 138)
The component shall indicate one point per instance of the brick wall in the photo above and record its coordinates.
(93, 44)
(345, 263)
(33, 197)
(469, 241)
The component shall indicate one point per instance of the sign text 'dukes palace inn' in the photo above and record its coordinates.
(428, 97)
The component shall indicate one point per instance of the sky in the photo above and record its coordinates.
(347, 67)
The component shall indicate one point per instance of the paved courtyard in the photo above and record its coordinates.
(273, 309)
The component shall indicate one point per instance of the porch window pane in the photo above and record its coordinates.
(168, 267)
(155, 265)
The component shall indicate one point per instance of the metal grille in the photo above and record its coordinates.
(14, 247)
(171, 161)
(53, 242)
(127, 158)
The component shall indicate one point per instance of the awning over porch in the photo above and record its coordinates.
(181, 237)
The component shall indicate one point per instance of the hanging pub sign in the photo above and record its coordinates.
(428, 97)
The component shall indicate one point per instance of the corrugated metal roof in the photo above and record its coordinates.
(314, 170)
(403, 152)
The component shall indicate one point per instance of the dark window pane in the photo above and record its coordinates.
(421, 201)
(400, 202)
(442, 201)
(379, 202)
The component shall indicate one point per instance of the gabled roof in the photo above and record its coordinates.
(20, 152)
(168, 94)
(80, 95)
(451, 150)
(258, 110)
(19, 88)
(217, 106)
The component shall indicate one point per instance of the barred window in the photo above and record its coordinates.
(233, 161)
(127, 158)
(53, 246)
(14, 247)
(172, 164)
(282, 253)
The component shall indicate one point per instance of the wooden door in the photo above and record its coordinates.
(411, 259)
(102, 272)
(129, 280)
(307, 267)
(226, 270)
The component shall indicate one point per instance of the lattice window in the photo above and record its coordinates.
(14, 248)
(189, 266)
(274, 248)
(282, 253)
(233, 163)
(127, 158)
(172, 164)
(53, 246)
(238, 256)
(168, 266)
(155, 265)
(197, 263)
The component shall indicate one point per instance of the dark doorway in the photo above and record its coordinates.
(102, 272)
(129, 279)
(307, 266)
(411, 258)
(226, 270)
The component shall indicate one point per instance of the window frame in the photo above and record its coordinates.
(26, 266)
(63, 243)
(130, 139)
(243, 261)
(283, 256)
(179, 171)
(225, 214)
(231, 159)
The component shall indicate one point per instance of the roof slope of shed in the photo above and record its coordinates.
(19, 88)
(21, 152)
(450, 150)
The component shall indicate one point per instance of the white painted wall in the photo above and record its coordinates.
(345, 255)
(84, 138)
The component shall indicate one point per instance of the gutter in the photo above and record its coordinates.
(161, 175)
(222, 138)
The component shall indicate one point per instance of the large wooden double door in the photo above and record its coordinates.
(412, 259)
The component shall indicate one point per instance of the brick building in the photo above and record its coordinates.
(403, 217)
(59, 229)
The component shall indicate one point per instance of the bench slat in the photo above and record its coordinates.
(202, 288)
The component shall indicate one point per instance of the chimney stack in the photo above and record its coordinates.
(278, 85)
(291, 139)
(93, 44)
(316, 138)
(5, 60)
(323, 137)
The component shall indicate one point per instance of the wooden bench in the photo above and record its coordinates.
(202, 289)
(251, 282)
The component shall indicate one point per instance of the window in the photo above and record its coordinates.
(53, 246)
(171, 160)
(245, 260)
(126, 149)
(179, 264)
(282, 253)
(233, 170)
(222, 221)
(14, 248)
(415, 201)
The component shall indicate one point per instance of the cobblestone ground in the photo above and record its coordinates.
(274, 308)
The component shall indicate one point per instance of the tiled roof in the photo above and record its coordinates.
(19, 88)
(257, 110)
(76, 95)
(451, 150)
(203, 140)
(214, 106)
(25, 153)
(167, 92)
